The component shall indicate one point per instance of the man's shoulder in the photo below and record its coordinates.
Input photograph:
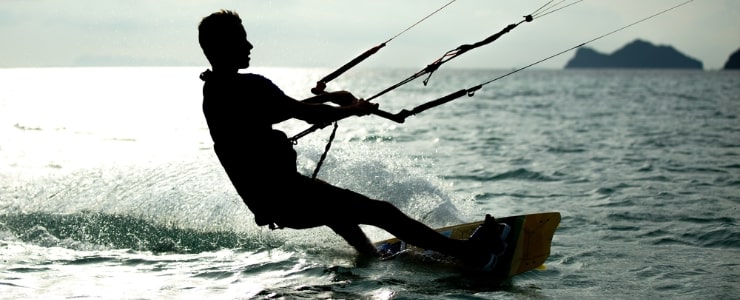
(258, 81)
(238, 84)
(253, 76)
(209, 76)
(255, 80)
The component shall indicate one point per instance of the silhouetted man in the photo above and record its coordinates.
(260, 161)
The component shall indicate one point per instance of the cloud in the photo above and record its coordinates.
(93, 60)
(328, 33)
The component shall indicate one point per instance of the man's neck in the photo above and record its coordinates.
(223, 70)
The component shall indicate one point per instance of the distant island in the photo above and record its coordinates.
(637, 54)
(733, 63)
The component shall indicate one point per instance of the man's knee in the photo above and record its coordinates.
(383, 208)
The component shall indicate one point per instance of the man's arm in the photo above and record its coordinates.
(341, 98)
(313, 111)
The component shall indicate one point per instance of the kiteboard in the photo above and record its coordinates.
(528, 243)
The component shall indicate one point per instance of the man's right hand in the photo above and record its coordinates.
(342, 98)
(364, 107)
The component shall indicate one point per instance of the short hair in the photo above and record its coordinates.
(216, 29)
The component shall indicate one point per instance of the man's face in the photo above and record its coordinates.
(242, 48)
(235, 49)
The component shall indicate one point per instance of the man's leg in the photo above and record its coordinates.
(353, 234)
(343, 210)
(391, 219)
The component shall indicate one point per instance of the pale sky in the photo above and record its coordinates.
(328, 33)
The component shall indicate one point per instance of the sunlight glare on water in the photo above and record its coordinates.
(109, 187)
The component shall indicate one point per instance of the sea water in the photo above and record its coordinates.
(109, 187)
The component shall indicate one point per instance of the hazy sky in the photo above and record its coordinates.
(328, 33)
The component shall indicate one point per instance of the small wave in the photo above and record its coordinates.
(605, 191)
(674, 230)
(122, 139)
(29, 269)
(720, 238)
(518, 174)
(522, 174)
(22, 127)
(566, 150)
(91, 260)
(87, 229)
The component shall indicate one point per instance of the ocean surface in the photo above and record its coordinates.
(109, 187)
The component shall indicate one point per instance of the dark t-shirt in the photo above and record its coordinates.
(240, 110)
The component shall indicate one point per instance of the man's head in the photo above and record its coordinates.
(224, 40)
